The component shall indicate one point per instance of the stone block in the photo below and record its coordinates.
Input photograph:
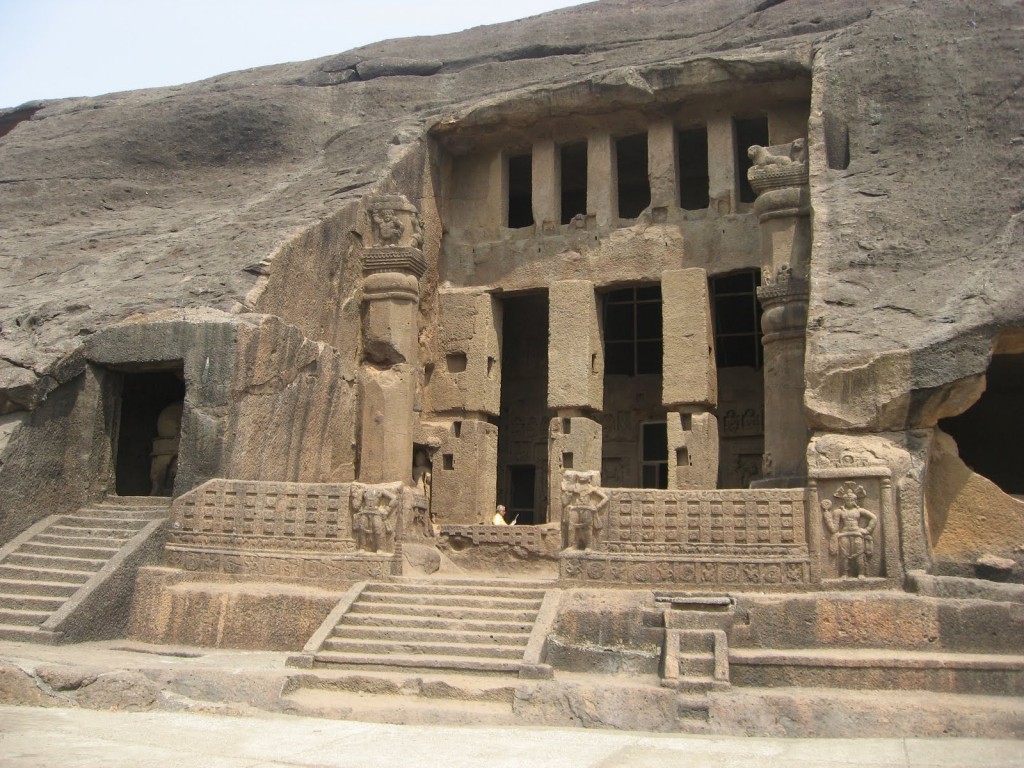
(693, 446)
(689, 372)
(661, 164)
(546, 184)
(465, 473)
(385, 449)
(575, 353)
(466, 376)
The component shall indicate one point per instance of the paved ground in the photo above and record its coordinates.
(77, 738)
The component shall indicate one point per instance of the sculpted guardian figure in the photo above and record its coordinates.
(373, 518)
(582, 505)
(852, 527)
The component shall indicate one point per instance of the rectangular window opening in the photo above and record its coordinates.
(448, 460)
(567, 460)
(692, 148)
(573, 180)
(634, 183)
(736, 314)
(520, 191)
(748, 131)
(632, 331)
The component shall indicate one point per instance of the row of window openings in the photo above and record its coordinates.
(633, 181)
(633, 325)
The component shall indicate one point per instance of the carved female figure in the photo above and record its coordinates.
(851, 527)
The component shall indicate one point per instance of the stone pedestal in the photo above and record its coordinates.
(392, 267)
(779, 176)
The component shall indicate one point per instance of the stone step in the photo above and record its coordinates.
(38, 588)
(466, 601)
(29, 602)
(64, 540)
(453, 589)
(451, 637)
(417, 661)
(53, 562)
(115, 523)
(147, 502)
(122, 513)
(696, 642)
(21, 634)
(444, 612)
(35, 547)
(23, 617)
(400, 621)
(11, 571)
(386, 648)
(118, 535)
(878, 669)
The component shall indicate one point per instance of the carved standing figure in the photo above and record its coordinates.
(582, 505)
(164, 457)
(852, 528)
(372, 520)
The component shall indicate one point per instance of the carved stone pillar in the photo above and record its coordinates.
(392, 266)
(779, 176)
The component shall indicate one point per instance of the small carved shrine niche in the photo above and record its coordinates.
(854, 507)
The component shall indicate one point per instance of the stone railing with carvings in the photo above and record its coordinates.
(707, 539)
(275, 530)
(528, 537)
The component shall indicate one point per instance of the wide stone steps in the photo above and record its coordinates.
(455, 601)
(443, 636)
(460, 613)
(462, 626)
(389, 647)
(399, 621)
(59, 557)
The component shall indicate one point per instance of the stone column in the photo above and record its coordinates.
(689, 379)
(722, 165)
(392, 266)
(602, 180)
(546, 182)
(779, 176)
(575, 385)
(662, 166)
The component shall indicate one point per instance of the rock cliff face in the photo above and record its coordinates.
(188, 196)
(239, 198)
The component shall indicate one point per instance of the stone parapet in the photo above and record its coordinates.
(282, 531)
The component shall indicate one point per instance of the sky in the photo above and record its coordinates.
(57, 48)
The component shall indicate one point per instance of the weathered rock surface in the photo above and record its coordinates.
(186, 196)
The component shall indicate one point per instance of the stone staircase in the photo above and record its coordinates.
(481, 627)
(64, 562)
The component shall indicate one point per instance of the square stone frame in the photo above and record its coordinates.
(892, 567)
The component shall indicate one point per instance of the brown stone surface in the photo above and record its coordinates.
(968, 515)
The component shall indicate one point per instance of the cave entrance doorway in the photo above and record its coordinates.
(148, 431)
(988, 434)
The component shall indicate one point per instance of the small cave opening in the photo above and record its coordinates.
(988, 434)
(149, 432)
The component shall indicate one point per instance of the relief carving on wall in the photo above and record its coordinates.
(851, 527)
(374, 513)
(583, 506)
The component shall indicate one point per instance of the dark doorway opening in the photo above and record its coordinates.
(523, 421)
(520, 191)
(634, 184)
(749, 131)
(988, 433)
(522, 494)
(574, 180)
(148, 433)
